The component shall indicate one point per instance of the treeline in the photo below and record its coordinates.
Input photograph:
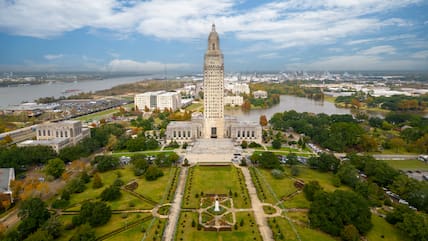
(345, 133)
(292, 88)
(336, 132)
(392, 103)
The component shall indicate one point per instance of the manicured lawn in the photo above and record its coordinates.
(155, 190)
(195, 106)
(324, 178)
(389, 232)
(215, 180)
(281, 225)
(99, 115)
(298, 201)
(281, 187)
(248, 231)
(408, 164)
(147, 153)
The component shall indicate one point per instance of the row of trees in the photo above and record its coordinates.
(393, 103)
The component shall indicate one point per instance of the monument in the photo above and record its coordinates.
(216, 206)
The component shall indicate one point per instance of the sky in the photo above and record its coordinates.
(255, 35)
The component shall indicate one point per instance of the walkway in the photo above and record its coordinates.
(211, 150)
(175, 206)
(257, 207)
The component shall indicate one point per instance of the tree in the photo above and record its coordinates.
(263, 120)
(244, 144)
(344, 208)
(97, 182)
(55, 167)
(350, 233)
(311, 189)
(268, 160)
(139, 164)
(40, 235)
(153, 173)
(95, 213)
(292, 159)
(53, 226)
(276, 144)
(106, 163)
(84, 233)
(33, 213)
(112, 142)
(348, 174)
(111, 193)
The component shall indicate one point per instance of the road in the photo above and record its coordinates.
(175, 206)
(257, 206)
(386, 156)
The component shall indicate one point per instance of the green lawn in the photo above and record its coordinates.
(155, 190)
(389, 232)
(98, 115)
(195, 106)
(408, 164)
(248, 231)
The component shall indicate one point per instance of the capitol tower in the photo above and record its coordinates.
(213, 88)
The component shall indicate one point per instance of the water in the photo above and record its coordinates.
(29, 93)
(287, 103)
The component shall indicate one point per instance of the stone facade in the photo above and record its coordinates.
(233, 100)
(213, 88)
(157, 99)
(58, 135)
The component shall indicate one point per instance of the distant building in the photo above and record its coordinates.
(20, 134)
(260, 94)
(238, 88)
(7, 175)
(157, 99)
(233, 100)
(58, 135)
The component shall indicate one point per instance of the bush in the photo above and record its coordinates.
(106, 163)
(295, 171)
(254, 145)
(276, 144)
(111, 193)
(277, 174)
(153, 173)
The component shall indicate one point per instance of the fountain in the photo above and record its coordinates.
(216, 206)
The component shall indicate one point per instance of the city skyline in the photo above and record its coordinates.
(147, 36)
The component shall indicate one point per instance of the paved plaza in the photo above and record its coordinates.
(206, 151)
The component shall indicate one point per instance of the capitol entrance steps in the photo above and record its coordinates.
(211, 151)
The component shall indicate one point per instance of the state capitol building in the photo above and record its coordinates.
(213, 123)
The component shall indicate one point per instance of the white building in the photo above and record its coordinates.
(234, 100)
(238, 88)
(260, 94)
(157, 99)
(7, 175)
(58, 135)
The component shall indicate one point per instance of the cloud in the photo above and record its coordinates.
(284, 24)
(53, 56)
(360, 62)
(126, 65)
(269, 56)
(420, 55)
(384, 49)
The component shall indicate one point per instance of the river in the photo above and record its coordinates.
(18, 94)
(287, 103)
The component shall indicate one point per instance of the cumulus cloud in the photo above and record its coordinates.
(53, 56)
(285, 24)
(127, 65)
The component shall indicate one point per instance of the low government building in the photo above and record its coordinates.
(157, 100)
(58, 135)
(233, 100)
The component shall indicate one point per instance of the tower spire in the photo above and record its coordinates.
(213, 28)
